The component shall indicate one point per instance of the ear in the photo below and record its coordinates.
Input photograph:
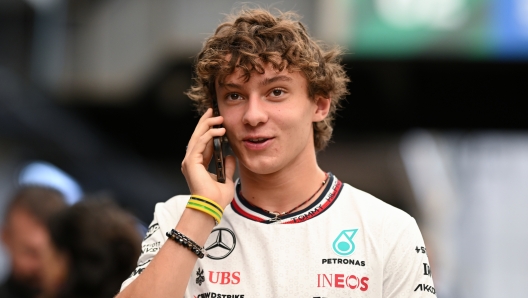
(322, 107)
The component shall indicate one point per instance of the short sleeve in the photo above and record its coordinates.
(149, 248)
(407, 272)
(166, 216)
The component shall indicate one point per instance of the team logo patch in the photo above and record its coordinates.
(223, 244)
(343, 244)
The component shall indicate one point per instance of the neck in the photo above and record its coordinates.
(285, 189)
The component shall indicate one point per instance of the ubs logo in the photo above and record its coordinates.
(223, 244)
(224, 278)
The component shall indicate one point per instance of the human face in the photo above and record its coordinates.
(25, 239)
(269, 119)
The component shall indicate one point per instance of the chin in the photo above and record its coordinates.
(261, 167)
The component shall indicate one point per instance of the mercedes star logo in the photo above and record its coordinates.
(223, 245)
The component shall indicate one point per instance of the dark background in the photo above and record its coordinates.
(132, 148)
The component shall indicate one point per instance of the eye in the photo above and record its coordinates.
(233, 96)
(277, 92)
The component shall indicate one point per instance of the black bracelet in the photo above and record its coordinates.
(186, 242)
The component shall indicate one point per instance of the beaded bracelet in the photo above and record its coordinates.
(207, 206)
(186, 242)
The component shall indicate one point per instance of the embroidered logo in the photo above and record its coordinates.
(200, 276)
(343, 244)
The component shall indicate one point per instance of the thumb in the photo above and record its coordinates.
(230, 165)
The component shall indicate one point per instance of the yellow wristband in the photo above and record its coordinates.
(207, 206)
(208, 201)
(217, 217)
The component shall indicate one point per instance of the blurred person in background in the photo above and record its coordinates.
(286, 228)
(26, 237)
(95, 245)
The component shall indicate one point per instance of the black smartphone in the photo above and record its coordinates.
(218, 143)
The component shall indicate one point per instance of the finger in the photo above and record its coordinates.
(201, 127)
(208, 113)
(208, 119)
(208, 152)
(196, 133)
(205, 123)
(230, 166)
(199, 147)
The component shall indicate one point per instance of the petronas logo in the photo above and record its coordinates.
(343, 244)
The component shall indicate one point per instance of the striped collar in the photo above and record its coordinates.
(321, 204)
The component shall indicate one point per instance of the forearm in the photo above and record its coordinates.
(169, 271)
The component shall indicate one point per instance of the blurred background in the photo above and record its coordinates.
(434, 123)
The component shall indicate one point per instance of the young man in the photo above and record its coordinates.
(289, 229)
(26, 237)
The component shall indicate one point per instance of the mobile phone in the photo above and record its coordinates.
(218, 144)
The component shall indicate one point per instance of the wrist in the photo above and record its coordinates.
(196, 225)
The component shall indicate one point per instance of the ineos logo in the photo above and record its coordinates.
(223, 244)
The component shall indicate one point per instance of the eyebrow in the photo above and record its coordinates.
(230, 85)
(264, 82)
(268, 81)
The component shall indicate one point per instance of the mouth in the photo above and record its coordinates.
(256, 140)
(257, 143)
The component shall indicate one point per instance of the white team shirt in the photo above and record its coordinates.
(345, 244)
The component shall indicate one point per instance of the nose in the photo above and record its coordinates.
(255, 112)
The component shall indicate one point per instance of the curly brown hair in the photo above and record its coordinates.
(255, 37)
